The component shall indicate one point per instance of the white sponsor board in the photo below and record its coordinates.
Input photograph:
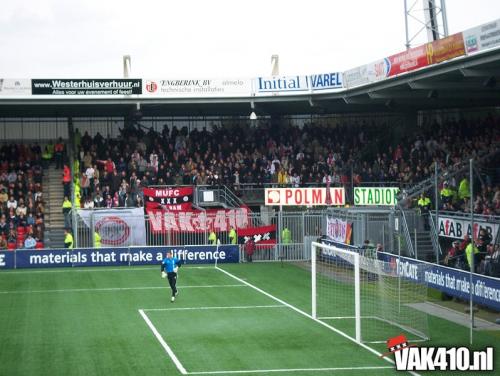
(117, 227)
(366, 74)
(304, 196)
(198, 87)
(457, 228)
(482, 37)
(15, 87)
(277, 85)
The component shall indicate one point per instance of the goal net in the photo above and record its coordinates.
(365, 297)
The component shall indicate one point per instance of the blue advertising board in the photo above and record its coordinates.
(454, 282)
(116, 256)
(7, 260)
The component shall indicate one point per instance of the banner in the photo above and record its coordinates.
(369, 196)
(427, 54)
(174, 199)
(445, 49)
(263, 235)
(365, 74)
(117, 227)
(457, 228)
(304, 196)
(409, 60)
(116, 256)
(15, 87)
(295, 84)
(454, 282)
(231, 87)
(338, 230)
(86, 86)
(218, 220)
(482, 37)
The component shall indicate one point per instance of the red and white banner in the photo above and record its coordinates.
(427, 54)
(304, 196)
(218, 220)
(166, 198)
(117, 227)
(338, 230)
(263, 235)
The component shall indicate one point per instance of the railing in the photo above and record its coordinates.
(406, 232)
(222, 196)
(435, 238)
(462, 168)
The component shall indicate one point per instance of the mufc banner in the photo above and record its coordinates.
(165, 198)
(338, 230)
(218, 220)
(263, 235)
(117, 227)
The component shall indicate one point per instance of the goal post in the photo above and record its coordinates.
(365, 297)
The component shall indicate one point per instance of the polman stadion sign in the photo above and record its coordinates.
(197, 87)
(368, 196)
(304, 196)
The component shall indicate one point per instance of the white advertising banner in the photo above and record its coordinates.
(117, 227)
(304, 196)
(482, 37)
(366, 74)
(192, 88)
(277, 85)
(457, 228)
(15, 87)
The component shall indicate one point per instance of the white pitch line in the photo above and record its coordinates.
(164, 344)
(106, 289)
(309, 316)
(94, 269)
(209, 308)
(293, 370)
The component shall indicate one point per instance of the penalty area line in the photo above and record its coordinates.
(213, 308)
(367, 368)
(108, 289)
(332, 328)
(164, 344)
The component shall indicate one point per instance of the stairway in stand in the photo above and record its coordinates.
(54, 219)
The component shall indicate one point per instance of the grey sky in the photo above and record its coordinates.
(207, 38)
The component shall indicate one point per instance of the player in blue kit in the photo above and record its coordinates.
(169, 267)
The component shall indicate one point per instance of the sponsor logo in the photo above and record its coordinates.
(273, 196)
(2, 260)
(113, 230)
(151, 86)
(409, 357)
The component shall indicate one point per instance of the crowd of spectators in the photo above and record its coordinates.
(22, 203)
(112, 170)
(482, 252)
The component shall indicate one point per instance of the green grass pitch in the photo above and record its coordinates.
(246, 319)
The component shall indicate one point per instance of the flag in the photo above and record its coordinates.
(168, 198)
(263, 235)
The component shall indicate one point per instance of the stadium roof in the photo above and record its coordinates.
(465, 82)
